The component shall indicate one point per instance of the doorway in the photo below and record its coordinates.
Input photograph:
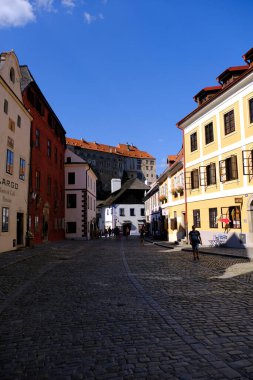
(45, 222)
(20, 228)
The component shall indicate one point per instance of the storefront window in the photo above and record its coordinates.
(5, 219)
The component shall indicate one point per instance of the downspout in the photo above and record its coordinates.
(185, 192)
(87, 198)
(29, 184)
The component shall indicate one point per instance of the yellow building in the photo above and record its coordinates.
(218, 149)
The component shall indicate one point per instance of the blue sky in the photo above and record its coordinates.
(117, 71)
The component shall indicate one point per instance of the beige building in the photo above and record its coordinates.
(15, 124)
(218, 148)
(80, 198)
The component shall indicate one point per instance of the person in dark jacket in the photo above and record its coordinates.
(195, 241)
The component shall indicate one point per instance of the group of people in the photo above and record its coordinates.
(194, 237)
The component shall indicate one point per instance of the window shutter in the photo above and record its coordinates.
(223, 174)
(202, 176)
(234, 167)
(187, 176)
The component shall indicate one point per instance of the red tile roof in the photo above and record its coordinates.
(231, 69)
(209, 89)
(120, 149)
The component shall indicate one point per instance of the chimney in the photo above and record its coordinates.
(115, 184)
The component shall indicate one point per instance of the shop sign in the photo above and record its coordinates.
(239, 200)
(8, 183)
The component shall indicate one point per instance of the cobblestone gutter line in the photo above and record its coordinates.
(218, 364)
(17, 293)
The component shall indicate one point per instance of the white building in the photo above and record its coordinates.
(152, 209)
(15, 124)
(124, 207)
(80, 196)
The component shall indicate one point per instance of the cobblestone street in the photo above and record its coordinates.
(116, 309)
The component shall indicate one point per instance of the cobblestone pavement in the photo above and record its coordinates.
(116, 309)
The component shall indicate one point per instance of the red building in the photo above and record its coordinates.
(46, 188)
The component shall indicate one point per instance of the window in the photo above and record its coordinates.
(228, 169)
(36, 223)
(122, 212)
(49, 185)
(37, 180)
(251, 110)
(55, 155)
(194, 143)
(37, 138)
(12, 75)
(6, 106)
(195, 179)
(30, 96)
(19, 121)
(229, 122)
(196, 218)
(9, 161)
(213, 218)
(11, 125)
(142, 212)
(56, 196)
(247, 158)
(71, 178)
(209, 133)
(71, 227)
(71, 200)
(22, 169)
(49, 148)
(5, 219)
(211, 174)
(132, 213)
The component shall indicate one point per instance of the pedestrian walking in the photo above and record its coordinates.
(195, 241)
(127, 231)
(142, 233)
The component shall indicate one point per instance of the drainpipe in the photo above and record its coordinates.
(185, 193)
(87, 198)
(29, 179)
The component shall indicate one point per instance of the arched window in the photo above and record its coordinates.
(12, 75)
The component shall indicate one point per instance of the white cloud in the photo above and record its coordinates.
(68, 3)
(15, 13)
(46, 5)
(89, 18)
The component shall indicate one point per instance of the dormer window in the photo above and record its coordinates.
(12, 75)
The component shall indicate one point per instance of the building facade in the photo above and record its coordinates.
(124, 207)
(46, 188)
(15, 124)
(165, 202)
(80, 198)
(124, 161)
(218, 147)
(172, 198)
